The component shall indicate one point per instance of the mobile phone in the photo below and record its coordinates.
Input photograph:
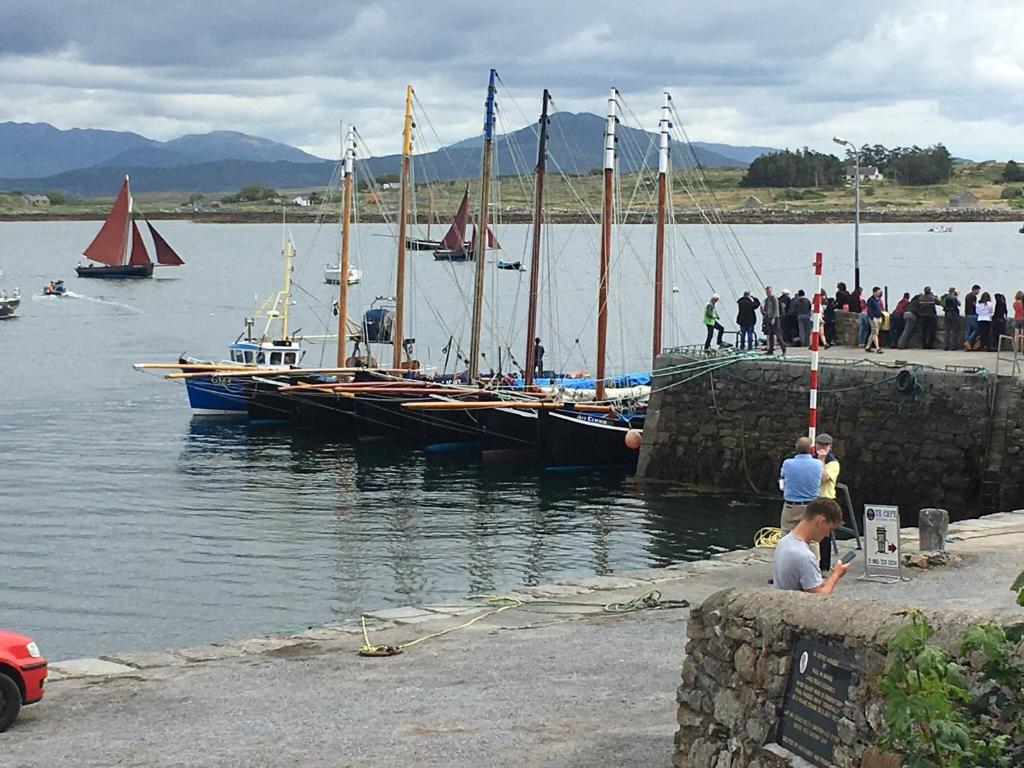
(849, 556)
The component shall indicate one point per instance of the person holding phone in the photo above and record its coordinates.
(794, 565)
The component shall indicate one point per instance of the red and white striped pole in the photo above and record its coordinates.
(812, 428)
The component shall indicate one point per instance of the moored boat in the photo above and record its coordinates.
(9, 302)
(332, 274)
(575, 439)
(221, 392)
(119, 248)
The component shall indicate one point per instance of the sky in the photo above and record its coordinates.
(757, 72)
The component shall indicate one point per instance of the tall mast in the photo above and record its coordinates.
(126, 253)
(665, 128)
(480, 241)
(286, 295)
(606, 239)
(403, 215)
(538, 208)
(347, 170)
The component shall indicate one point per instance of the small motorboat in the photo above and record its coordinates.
(1021, 230)
(9, 302)
(516, 266)
(941, 228)
(332, 274)
(54, 288)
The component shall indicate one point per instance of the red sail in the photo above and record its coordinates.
(455, 239)
(492, 241)
(139, 253)
(111, 241)
(164, 253)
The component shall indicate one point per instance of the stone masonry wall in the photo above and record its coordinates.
(926, 447)
(738, 659)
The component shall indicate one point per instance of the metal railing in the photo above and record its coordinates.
(844, 489)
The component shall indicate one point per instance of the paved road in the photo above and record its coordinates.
(522, 688)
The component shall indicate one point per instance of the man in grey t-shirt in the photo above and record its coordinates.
(794, 565)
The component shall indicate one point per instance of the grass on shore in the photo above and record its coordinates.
(579, 194)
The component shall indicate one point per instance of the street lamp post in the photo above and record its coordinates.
(856, 208)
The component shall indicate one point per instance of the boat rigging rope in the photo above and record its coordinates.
(651, 600)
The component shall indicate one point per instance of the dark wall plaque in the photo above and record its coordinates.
(817, 688)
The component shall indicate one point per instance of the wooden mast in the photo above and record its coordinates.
(347, 169)
(665, 128)
(480, 240)
(538, 210)
(606, 240)
(397, 336)
(126, 253)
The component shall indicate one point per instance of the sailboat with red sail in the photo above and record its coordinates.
(454, 246)
(119, 247)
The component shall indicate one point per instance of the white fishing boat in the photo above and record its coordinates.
(941, 228)
(9, 301)
(332, 275)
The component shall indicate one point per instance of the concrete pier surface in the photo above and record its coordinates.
(935, 358)
(557, 681)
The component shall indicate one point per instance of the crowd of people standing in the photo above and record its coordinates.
(787, 319)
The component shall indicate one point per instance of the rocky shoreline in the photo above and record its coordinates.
(766, 216)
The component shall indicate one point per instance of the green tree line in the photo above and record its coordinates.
(914, 166)
(803, 168)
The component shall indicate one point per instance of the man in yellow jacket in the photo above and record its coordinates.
(829, 478)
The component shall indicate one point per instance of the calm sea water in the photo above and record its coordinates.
(128, 525)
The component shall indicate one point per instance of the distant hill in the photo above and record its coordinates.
(207, 148)
(575, 140)
(37, 150)
(224, 161)
(744, 156)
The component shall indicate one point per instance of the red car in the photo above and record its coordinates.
(22, 672)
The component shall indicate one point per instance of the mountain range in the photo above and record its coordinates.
(37, 157)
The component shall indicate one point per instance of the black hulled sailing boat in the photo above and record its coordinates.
(119, 247)
(571, 437)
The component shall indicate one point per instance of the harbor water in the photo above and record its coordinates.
(128, 525)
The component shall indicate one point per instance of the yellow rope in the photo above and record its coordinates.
(648, 600)
(767, 537)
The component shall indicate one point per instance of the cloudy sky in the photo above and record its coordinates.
(782, 73)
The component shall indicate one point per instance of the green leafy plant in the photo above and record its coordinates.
(967, 712)
(925, 692)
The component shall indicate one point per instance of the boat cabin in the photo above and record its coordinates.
(272, 354)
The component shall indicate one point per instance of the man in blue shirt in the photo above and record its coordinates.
(801, 483)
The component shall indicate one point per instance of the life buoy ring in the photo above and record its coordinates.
(906, 380)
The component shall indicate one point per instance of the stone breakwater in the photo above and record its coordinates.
(924, 438)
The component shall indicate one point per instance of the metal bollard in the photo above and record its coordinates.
(932, 526)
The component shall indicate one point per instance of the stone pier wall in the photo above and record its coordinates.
(738, 660)
(925, 445)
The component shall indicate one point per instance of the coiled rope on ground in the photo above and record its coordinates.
(651, 600)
